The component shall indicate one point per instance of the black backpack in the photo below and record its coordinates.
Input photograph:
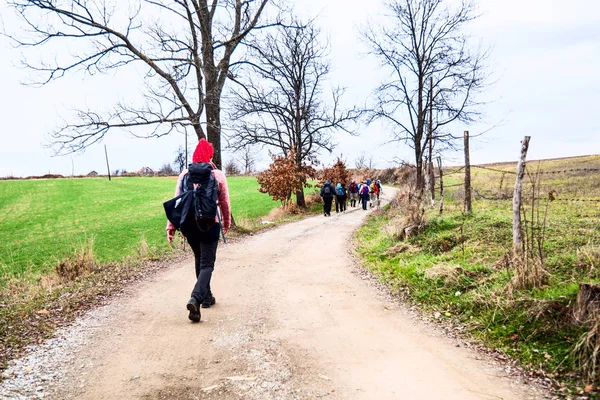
(195, 208)
(327, 190)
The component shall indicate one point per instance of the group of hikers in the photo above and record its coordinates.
(367, 191)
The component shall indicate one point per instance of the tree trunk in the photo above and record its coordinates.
(300, 201)
(420, 182)
(430, 139)
(213, 126)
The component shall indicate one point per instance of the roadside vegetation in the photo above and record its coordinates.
(458, 269)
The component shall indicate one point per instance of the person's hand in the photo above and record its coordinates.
(170, 234)
(225, 230)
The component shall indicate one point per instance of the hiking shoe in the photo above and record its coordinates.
(209, 301)
(194, 308)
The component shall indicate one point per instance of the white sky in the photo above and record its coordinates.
(545, 58)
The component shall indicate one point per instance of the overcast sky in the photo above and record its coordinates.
(545, 60)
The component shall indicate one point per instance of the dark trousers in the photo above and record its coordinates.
(204, 247)
(364, 202)
(340, 203)
(327, 205)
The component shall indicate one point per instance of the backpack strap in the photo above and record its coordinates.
(186, 184)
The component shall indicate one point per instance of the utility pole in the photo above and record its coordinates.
(107, 166)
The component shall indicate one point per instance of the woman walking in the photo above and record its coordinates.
(203, 237)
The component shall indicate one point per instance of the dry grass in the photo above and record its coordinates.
(450, 273)
(588, 257)
(276, 214)
(400, 248)
(143, 249)
(409, 220)
(312, 198)
(78, 264)
(528, 273)
(587, 350)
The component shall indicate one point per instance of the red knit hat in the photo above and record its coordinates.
(204, 151)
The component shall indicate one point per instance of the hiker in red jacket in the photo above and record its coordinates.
(204, 243)
(353, 192)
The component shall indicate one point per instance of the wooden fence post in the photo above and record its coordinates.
(439, 162)
(516, 225)
(468, 206)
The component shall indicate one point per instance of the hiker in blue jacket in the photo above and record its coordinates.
(340, 198)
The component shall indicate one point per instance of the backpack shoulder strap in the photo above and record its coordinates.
(186, 184)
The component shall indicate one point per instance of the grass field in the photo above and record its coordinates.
(454, 269)
(43, 221)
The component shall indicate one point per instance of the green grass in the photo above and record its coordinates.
(46, 220)
(452, 269)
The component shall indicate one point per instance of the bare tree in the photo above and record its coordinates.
(247, 159)
(282, 106)
(185, 46)
(166, 169)
(371, 162)
(180, 159)
(232, 168)
(361, 161)
(423, 46)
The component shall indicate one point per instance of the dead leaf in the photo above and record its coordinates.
(588, 388)
(43, 312)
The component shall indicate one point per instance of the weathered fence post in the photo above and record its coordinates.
(439, 162)
(516, 225)
(468, 206)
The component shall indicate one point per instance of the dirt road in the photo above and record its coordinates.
(292, 321)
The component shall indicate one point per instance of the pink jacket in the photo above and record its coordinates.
(223, 200)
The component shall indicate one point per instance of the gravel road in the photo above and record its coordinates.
(292, 321)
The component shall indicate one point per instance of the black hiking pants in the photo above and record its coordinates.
(204, 245)
(327, 205)
(340, 203)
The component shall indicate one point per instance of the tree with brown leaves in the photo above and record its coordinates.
(283, 178)
(337, 173)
